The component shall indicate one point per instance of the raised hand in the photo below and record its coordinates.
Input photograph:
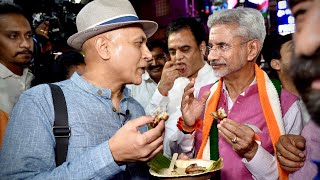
(192, 108)
(240, 136)
(169, 74)
(290, 152)
(130, 145)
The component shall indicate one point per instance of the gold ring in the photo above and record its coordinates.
(234, 140)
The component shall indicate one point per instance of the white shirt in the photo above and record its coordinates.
(11, 86)
(144, 91)
(172, 103)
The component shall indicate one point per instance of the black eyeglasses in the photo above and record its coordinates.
(222, 48)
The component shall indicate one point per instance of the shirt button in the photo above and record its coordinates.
(99, 92)
(23, 86)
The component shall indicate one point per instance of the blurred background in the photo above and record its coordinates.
(62, 13)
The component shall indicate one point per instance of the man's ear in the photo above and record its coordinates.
(254, 48)
(275, 64)
(102, 47)
(203, 47)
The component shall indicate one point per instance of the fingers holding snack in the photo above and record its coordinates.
(220, 114)
(160, 114)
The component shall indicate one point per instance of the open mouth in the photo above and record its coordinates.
(142, 70)
(181, 67)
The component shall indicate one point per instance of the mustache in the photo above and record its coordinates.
(216, 62)
(27, 51)
(154, 67)
(311, 99)
(305, 69)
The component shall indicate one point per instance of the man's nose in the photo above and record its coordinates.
(178, 56)
(213, 55)
(153, 61)
(146, 54)
(27, 43)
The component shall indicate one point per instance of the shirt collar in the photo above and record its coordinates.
(224, 88)
(204, 70)
(5, 72)
(146, 76)
(95, 90)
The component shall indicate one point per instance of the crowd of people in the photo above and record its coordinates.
(115, 78)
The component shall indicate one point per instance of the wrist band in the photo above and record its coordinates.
(196, 126)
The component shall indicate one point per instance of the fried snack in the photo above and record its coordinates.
(195, 169)
(161, 114)
(219, 114)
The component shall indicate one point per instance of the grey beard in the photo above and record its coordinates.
(304, 69)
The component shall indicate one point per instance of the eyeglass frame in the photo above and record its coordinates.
(221, 49)
(159, 57)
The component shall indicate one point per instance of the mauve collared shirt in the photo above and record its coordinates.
(311, 132)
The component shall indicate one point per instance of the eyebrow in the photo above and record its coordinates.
(300, 11)
(219, 43)
(14, 31)
(185, 46)
(293, 3)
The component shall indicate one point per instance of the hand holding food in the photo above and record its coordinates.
(220, 114)
(160, 114)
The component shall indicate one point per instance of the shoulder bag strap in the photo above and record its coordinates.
(61, 129)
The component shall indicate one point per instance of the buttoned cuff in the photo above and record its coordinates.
(263, 165)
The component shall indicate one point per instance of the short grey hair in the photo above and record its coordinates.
(250, 22)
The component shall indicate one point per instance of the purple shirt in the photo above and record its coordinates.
(247, 109)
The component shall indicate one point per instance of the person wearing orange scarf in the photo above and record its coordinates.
(256, 114)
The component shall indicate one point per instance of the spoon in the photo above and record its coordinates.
(173, 161)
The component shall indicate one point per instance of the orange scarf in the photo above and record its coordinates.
(274, 124)
(3, 123)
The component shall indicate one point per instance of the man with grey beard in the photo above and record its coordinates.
(305, 73)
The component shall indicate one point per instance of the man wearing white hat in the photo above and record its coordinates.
(104, 142)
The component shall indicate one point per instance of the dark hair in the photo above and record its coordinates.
(69, 59)
(292, 3)
(154, 43)
(271, 50)
(192, 24)
(11, 8)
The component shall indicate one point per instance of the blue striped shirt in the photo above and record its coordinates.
(28, 149)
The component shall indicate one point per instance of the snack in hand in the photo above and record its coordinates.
(219, 114)
(195, 169)
(160, 114)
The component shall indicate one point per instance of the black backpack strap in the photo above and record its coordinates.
(61, 129)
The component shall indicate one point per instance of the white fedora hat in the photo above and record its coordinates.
(100, 16)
